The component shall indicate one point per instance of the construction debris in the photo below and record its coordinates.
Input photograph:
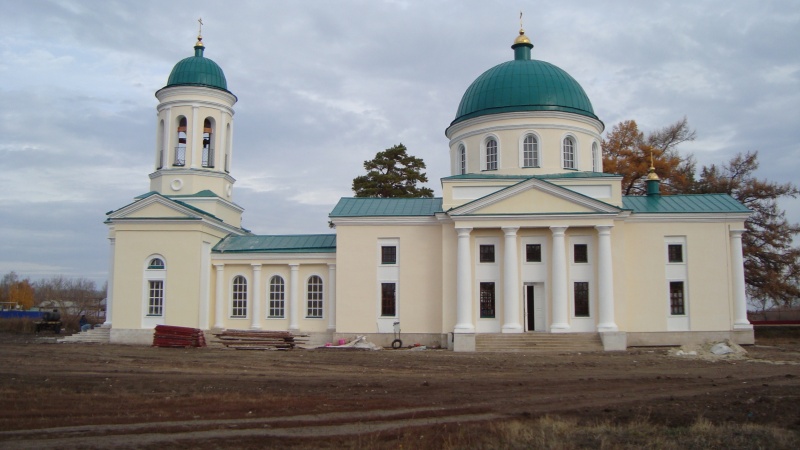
(260, 340)
(170, 336)
(711, 351)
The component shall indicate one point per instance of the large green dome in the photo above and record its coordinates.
(523, 84)
(197, 70)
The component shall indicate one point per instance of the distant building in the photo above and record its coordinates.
(530, 235)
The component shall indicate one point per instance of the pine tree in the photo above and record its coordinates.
(393, 173)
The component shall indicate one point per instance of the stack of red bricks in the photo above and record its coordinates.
(170, 336)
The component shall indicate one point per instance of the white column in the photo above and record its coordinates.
(196, 136)
(294, 296)
(464, 283)
(740, 321)
(511, 299)
(331, 297)
(255, 309)
(219, 144)
(219, 300)
(560, 322)
(605, 282)
(110, 287)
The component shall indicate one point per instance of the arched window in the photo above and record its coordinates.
(462, 159)
(569, 153)
(208, 149)
(491, 154)
(155, 275)
(530, 151)
(314, 296)
(595, 157)
(277, 292)
(180, 149)
(239, 297)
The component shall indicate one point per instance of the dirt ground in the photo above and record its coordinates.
(99, 396)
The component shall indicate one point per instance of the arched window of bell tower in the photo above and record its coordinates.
(208, 143)
(180, 149)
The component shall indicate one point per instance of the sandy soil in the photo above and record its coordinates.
(99, 396)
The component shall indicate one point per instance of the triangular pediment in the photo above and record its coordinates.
(534, 197)
(155, 207)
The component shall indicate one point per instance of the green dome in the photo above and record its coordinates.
(197, 71)
(523, 84)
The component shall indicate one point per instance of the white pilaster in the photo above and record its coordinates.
(294, 296)
(511, 298)
(255, 321)
(605, 282)
(464, 283)
(219, 143)
(205, 287)
(331, 297)
(169, 130)
(219, 301)
(740, 321)
(110, 288)
(560, 322)
(196, 137)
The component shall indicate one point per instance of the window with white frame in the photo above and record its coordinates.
(388, 299)
(487, 300)
(530, 151)
(581, 297)
(239, 297)
(595, 157)
(491, 154)
(155, 304)
(462, 159)
(568, 153)
(314, 297)
(277, 297)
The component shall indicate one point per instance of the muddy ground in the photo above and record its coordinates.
(99, 396)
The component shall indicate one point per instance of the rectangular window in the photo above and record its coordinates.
(388, 254)
(487, 253)
(580, 253)
(155, 305)
(487, 300)
(388, 300)
(675, 253)
(277, 299)
(581, 299)
(533, 252)
(676, 298)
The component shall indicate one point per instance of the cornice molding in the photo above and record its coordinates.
(453, 131)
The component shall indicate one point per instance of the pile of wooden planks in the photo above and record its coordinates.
(260, 340)
(170, 336)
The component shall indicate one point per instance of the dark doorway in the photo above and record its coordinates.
(529, 307)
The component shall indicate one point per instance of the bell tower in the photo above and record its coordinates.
(194, 131)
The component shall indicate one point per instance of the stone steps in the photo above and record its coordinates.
(98, 335)
(539, 342)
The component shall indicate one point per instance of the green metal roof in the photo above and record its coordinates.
(297, 243)
(197, 70)
(523, 84)
(698, 203)
(359, 207)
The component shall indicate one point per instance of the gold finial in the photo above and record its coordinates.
(651, 174)
(199, 33)
(521, 39)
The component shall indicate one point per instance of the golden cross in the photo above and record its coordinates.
(200, 27)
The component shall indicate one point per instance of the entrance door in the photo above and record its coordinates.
(534, 307)
(530, 309)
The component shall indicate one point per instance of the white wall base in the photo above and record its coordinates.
(674, 338)
(131, 336)
(614, 341)
(464, 342)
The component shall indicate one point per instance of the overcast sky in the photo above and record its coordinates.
(324, 85)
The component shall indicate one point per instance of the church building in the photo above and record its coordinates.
(529, 238)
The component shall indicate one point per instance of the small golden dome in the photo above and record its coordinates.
(522, 39)
(199, 41)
